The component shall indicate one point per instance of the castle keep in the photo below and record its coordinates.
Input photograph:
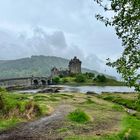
(74, 67)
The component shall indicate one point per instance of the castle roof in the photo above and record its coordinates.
(74, 60)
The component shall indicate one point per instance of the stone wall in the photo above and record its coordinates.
(15, 82)
(25, 82)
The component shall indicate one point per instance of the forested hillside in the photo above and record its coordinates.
(35, 65)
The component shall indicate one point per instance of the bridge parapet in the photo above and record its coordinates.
(25, 81)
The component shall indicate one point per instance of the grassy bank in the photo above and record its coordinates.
(87, 79)
(16, 108)
(91, 118)
(131, 101)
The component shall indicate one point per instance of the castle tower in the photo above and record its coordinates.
(75, 65)
(54, 72)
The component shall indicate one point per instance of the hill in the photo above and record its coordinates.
(35, 65)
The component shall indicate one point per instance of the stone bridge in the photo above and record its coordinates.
(25, 81)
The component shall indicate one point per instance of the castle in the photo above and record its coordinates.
(74, 67)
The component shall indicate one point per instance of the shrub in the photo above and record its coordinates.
(80, 78)
(1, 103)
(2, 89)
(64, 80)
(101, 78)
(56, 80)
(90, 75)
(78, 116)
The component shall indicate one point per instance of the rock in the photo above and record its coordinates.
(49, 90)
(91, 93)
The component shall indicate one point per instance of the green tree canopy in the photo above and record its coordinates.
(126, 21)
(80, 78)
(101, 78)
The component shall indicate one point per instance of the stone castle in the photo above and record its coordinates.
(74, 67)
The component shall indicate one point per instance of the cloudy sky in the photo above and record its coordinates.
(64, 28)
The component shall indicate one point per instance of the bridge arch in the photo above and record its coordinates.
(35, 82)
(43, 82)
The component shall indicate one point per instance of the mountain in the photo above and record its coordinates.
(35, 65)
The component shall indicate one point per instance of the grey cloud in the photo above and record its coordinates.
(40, 43)
(73, 31)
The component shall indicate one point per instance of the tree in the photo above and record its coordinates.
(126, 21)
(56, 80)
(80, 78)
(90, 75)
(101, 78)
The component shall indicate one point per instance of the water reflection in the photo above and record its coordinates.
(85, 89)
(96, 89)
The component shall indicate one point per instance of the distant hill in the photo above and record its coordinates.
(35, 65)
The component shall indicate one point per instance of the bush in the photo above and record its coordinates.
(90, 75)
(64, 80)
(101, 78)
(80, 78)
(56, 80)
(1, 103)
(78, 116)
(2, 89)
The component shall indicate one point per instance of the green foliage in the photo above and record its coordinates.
(11, 102)
(101, 78)
(65, 80)
(126, 21)
(56, 80)
(80, 78)
(78, 116)
(90, 75)
(132, 127)
(117, 107)
(4, 124)
(132, 104)
(2, 89)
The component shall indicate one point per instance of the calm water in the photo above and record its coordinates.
(97, 89)
(84, 89)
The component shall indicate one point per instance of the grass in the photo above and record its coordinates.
(92, 118)
(78, 116)
(132, 103)
(14, 108)
(8, 123)
(130, 131)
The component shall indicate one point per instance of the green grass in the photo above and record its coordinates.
(115, 98)
(117, 107)
(130, 131)
(82, 123)
(78, 116)
(131, 128)
(15, 106)
(7, 123)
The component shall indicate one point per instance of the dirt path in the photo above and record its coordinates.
(41, 129)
